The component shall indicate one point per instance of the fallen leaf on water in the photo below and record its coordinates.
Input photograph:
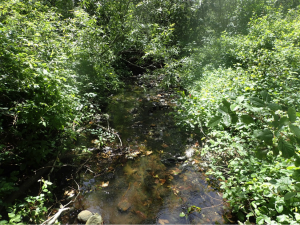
(104, 184)
(148, 152)
(175, 190)
(162, 181)
(164, 145)
(196, 161)
(175, 171)
(70, 193)
(162, 221)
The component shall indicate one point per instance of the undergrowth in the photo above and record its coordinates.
(246, 103)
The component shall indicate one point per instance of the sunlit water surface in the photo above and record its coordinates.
(150, 184)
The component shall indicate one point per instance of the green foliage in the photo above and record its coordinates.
(61, 59)
(244, 97)
(32, 209)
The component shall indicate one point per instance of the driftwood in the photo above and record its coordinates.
(55, 217)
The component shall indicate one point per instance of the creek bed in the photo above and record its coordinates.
(152, 178)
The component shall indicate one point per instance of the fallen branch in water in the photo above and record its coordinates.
(63, 208)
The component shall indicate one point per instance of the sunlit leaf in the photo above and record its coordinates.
(227, 120)
(240, 99)
(182, 214)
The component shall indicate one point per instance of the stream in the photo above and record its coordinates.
(149, 176)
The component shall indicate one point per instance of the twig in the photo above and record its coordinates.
(133, 64)
(83, 164)
(119, 139)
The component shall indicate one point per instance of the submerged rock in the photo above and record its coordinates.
(124, 205)
(84, 215)
(95, 220)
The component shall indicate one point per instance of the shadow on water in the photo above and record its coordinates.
(154, 179)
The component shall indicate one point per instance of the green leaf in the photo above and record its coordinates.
(266, 97)
(297, 162)
(274, 124)
(223, 109)
(279, 208)
(262, 218)
(283, 122)
(11, 215)
(247, 222)
(295, 130)
(182, 214)
(296, 176)
(286, 148)
(214, 121)
(226, 104)
(282, 218)
(247, 119)
(227, 120)
(264, 135)
(274, 106)
(257, 102)
(275, 151)
(234, 118)
(241, 216)
(233, 107)
(240, 99)
(261, 153)
(289, 195)
(292, 114)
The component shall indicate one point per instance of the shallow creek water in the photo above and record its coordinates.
(152, 178)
